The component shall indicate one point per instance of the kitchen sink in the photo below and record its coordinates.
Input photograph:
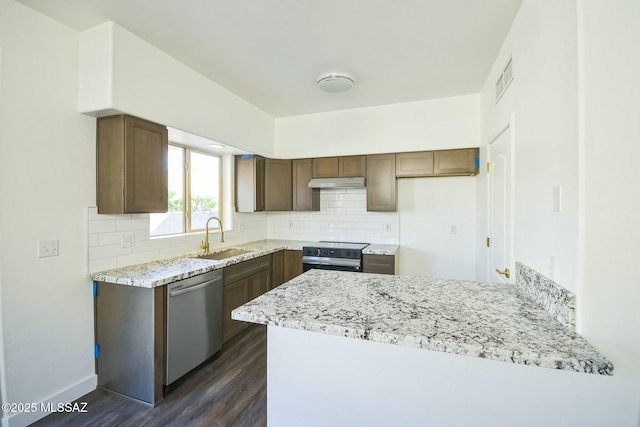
(227, 253)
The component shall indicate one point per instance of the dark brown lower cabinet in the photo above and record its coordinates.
(277, 269)
(242, 283)
(233, 295)
(381, 264)
(292, 264)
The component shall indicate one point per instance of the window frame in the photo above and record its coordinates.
(186, 190)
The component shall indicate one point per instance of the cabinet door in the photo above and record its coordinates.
(292, 264)
(381, 264)
(146, 172)
(414, 164)
(455, 162)
(350, 166)
(277, 269)
(381, 182)
(277, 185)
(131, 166)
(233, 295)
(304, 198)
(249, 183)
(325, 167)
(259, 283)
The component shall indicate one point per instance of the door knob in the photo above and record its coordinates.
(506, 273)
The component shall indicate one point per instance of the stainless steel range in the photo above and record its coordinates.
(342, 256)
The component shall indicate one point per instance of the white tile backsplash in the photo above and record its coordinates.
(343, 216)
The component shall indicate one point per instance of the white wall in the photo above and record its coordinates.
(413, 126)
(608, 310)
(428, 209)
(122, 72)
(575, 100)
(47, 169)
(383, 385)
(543, 99)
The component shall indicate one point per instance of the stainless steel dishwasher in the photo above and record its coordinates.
(194, 322)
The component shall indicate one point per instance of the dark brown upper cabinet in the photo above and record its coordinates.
(131, 165)
(456, 162)
(339, 167)
(277, 185)
(437, 163)
(414, 164)
(381, 182)
(325, 167)
(350, 166)
(249, 183)
(304, 198)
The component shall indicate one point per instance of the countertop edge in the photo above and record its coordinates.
(603, 367)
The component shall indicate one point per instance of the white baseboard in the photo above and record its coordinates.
(67, 395)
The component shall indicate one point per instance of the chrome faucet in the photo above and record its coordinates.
(205, 244)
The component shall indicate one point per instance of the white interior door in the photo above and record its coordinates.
(500, 208)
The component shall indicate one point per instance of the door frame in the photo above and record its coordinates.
(510, 125)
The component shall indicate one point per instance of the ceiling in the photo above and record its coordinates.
(271, 52)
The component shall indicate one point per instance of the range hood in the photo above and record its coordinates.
(356, 182)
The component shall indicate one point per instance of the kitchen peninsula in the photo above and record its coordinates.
(367, 349)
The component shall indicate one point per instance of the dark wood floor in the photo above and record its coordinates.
(229, 391)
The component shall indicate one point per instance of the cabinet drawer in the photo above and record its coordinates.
(381, 264)
(245, 269)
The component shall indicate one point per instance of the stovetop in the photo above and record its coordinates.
(340, 245)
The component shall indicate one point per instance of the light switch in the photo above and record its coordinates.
(47, 248)
(557, 198)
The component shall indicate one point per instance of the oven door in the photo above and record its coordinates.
(326, 263)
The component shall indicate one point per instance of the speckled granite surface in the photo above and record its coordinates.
(558, 301)
(492, 321)
(162, 272)
(165, 271)
(374, 249)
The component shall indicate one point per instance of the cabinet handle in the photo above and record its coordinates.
(179, 290)
(505, 273)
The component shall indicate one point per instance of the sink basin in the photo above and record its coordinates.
(227, 253)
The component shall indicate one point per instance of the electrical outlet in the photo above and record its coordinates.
(47, 248)
(387, 226)
(453, 229)
(241, 226)
(128, 240)
(290, 224)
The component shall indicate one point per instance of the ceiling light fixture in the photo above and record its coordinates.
(335, 82)
(216, 145)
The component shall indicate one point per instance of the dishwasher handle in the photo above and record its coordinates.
(181, 290)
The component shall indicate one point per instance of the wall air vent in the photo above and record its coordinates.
(504, 80)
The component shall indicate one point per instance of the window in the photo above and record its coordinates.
(194, 192)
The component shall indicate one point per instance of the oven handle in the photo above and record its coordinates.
(339, 262)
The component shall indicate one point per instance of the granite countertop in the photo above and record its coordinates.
(492, 321)
(165, 271)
